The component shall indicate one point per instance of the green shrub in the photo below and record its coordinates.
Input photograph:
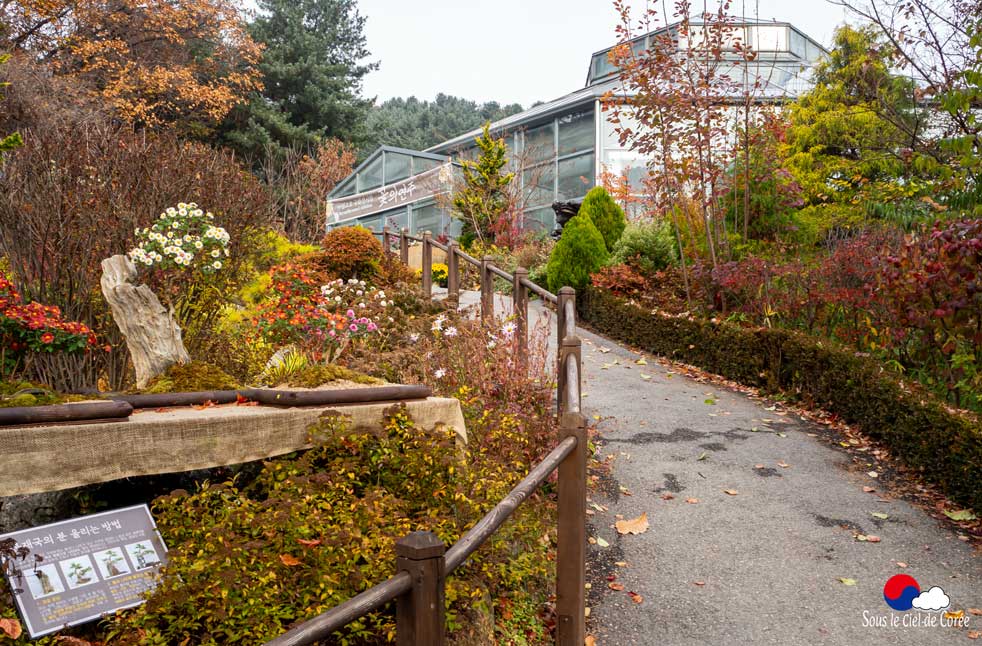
(646, 247)
(606, 214)
(351, 252)
(945, 447)
(578, 254)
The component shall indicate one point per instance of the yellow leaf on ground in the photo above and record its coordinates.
(637, 525)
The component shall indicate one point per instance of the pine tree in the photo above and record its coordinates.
(606, 214)
(483, 198)
(312, 74)
(579, 253)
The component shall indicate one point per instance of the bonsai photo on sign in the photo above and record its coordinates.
(143, 555)
(43, 581)
(78, 571)
(111, 563)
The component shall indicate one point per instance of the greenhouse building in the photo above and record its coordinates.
(559, 148)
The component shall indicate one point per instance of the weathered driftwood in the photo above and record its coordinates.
(152, 335)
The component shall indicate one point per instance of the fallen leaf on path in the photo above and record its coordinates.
(641, 362)
(880, 515)
(783, 465)
(311, 543)
(667, 496)
(973, 634)
(289, 560)
(702, 456)
(589, 641)
(964, 514)
(637, 525)
(615, 586)
(620, 563)
(975, 611)
(692, 501)
(873, 539)
(730, 492)
(847, 581)
(699, 583)
(711, 402)
(603, 349)
(781, 434)
(873, 474)
(11, 628)
(625, 491)
(646, 377)
(901, 564)
(868, 489)
(602, 543)
(635, 597)
(758, 466)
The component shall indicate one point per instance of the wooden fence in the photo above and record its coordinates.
(422, 561)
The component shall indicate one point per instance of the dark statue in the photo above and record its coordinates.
(564, 213)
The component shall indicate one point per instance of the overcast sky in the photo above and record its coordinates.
(518, 51)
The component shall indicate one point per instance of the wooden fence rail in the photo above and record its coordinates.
(422, 561)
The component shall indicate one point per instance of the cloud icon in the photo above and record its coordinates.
(933, 599)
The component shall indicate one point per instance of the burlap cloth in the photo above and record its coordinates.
(50, 458)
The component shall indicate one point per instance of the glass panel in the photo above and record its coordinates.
(347, 189)
(427, 217)
(396, 220)
(538, 183)
(422, 164)
(576, 176)
(601, 65)
(396, 167)
(576, 133)
(540, 220)
(453, 226)
(371, 176)
(540, 143)
(373, 222)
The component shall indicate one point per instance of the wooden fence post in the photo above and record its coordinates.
(386, 241)
(487, 290)
(571, 538)
(427, 265)
(453, 275)
(404, 246)
(565, 294)
(420, 612)
(520, 307)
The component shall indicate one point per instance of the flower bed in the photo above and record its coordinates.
(944, 445)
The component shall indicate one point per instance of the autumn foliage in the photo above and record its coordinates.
(186, 62)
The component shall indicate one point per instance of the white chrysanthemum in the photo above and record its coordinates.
(217, 264)
(440, 373)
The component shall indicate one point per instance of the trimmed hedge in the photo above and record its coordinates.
(945, 447)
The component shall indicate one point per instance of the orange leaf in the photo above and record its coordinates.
(208, 404)
(307, 543)
(10, 627)
(637, 525)
(590, 641)
(869, 489)
(975, 611)
(635, 597)
(244, 401)
(783, 465)
(289, 560)
(692, 501)
(872, 539)
(667, 496)
(615, 586)
(730, 492)
(699, 583)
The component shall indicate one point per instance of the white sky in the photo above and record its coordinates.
(518, 50)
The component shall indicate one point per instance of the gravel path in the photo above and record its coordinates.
(763, 566)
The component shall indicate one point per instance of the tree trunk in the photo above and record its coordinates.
(152, 335)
